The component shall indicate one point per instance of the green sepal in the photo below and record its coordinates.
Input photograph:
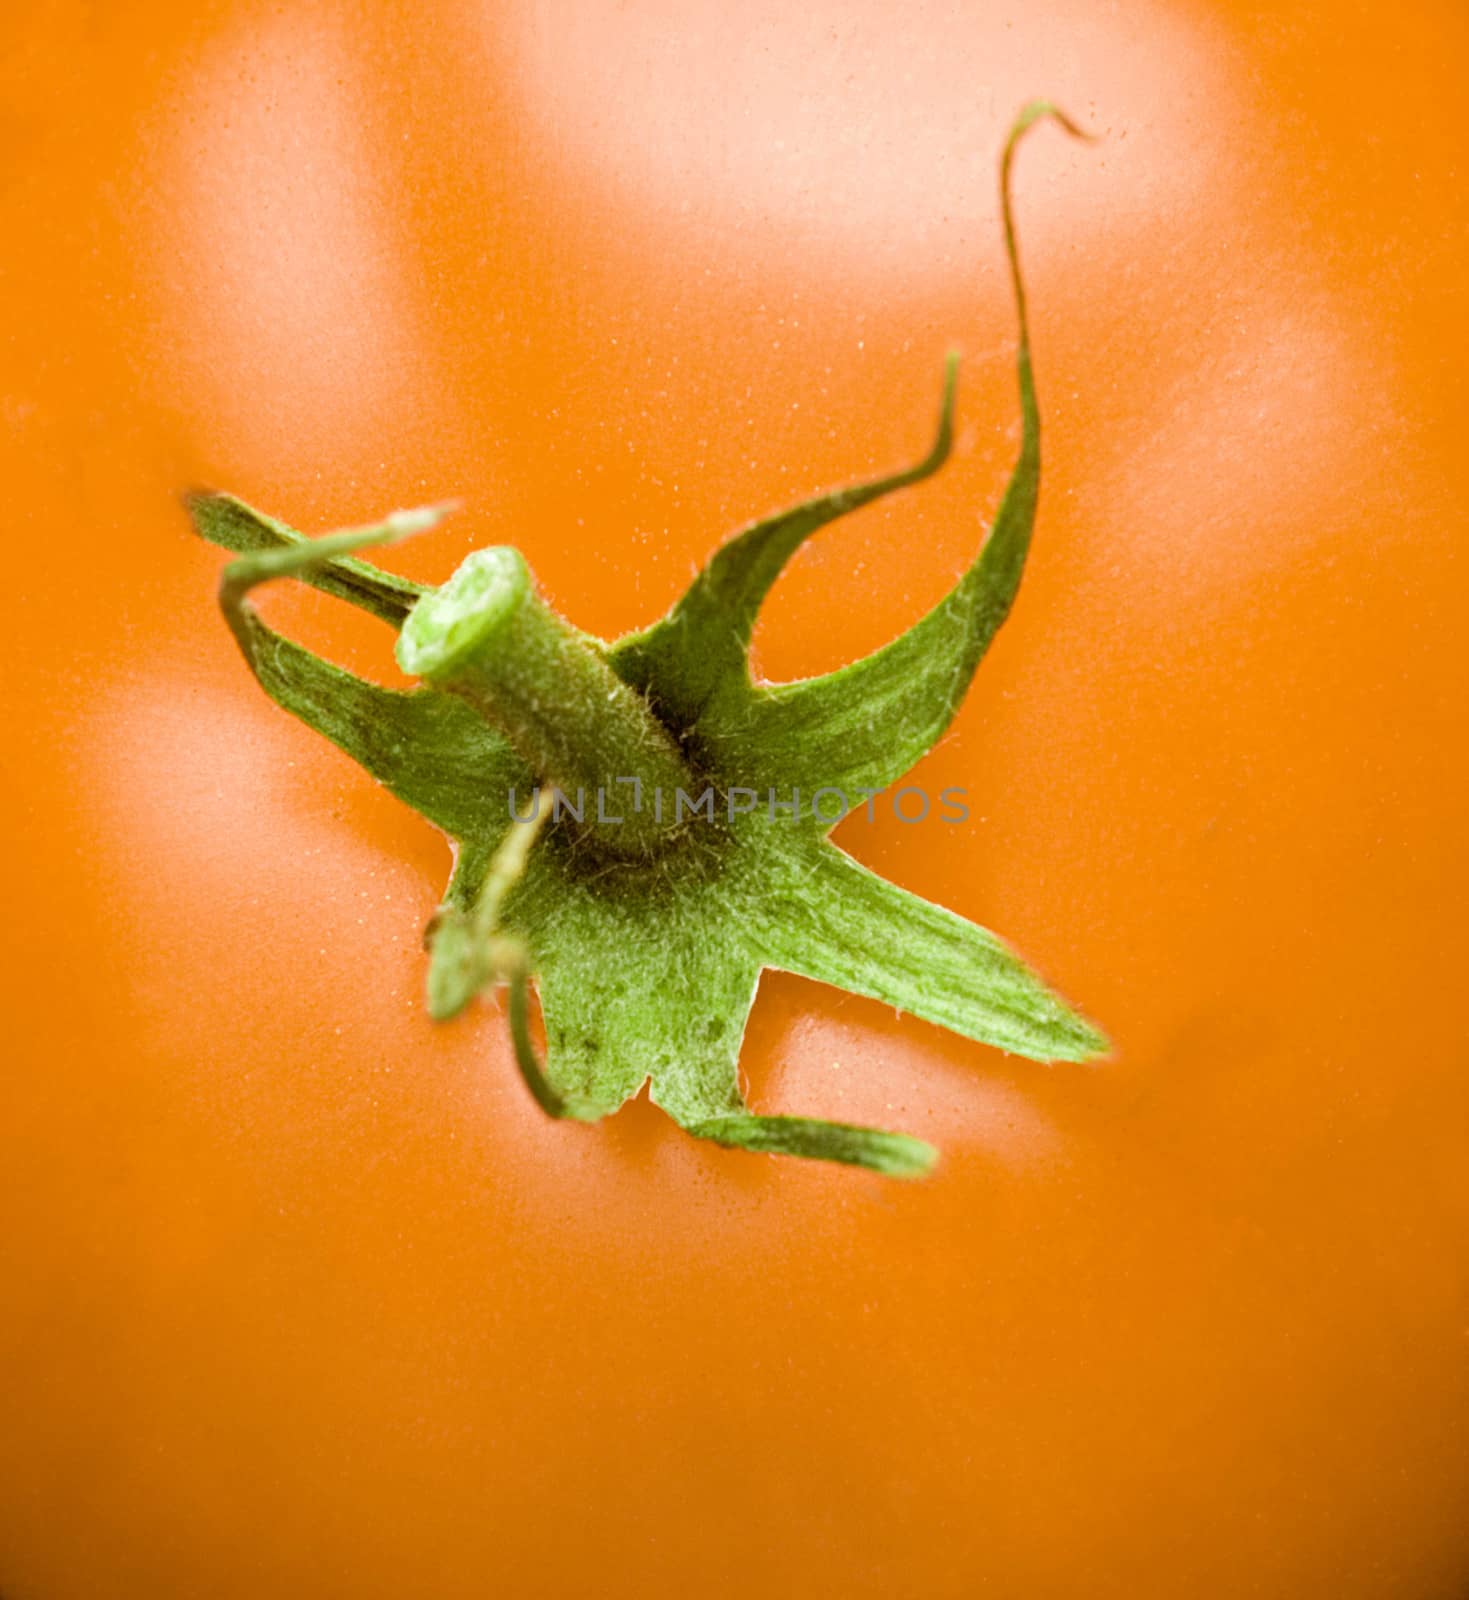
(866, 724)
(894, 1155)
(387, 730)
(835, 922)
(702, 646)
(428, 748)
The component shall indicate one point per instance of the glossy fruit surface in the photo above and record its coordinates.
(302, 1294)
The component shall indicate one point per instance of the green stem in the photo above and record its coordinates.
(489, 638)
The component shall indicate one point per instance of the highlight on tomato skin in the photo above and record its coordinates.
(305, 1294)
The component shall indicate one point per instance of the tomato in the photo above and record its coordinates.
(303, 1294)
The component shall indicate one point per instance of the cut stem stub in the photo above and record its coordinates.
(489, 638)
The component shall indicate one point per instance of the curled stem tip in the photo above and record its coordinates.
(1036, 111)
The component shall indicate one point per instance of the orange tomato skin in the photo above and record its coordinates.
(303, 1296)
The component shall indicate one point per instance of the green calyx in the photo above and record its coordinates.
(640, 828)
